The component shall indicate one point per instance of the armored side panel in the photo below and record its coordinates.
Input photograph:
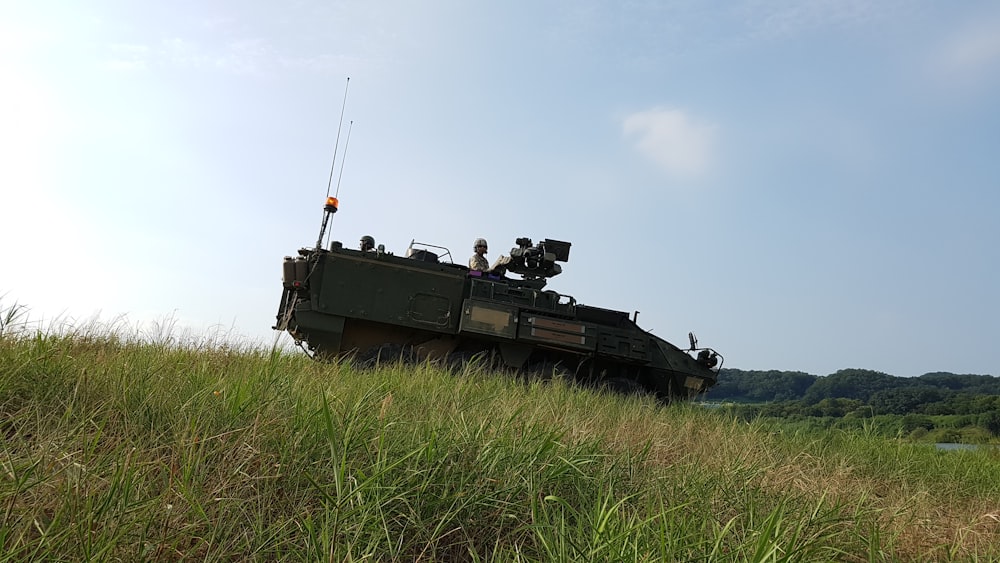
(351, 301)
(490, 319)
(535, 328)
(388, 289)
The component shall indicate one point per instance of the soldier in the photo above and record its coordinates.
(367, 243)
(478, 260)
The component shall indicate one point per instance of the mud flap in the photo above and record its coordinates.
(321, 331)
(514, 355)
(694, 384)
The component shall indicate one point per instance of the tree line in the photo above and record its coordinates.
(938, 402)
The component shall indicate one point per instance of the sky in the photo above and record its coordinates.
(806, 185)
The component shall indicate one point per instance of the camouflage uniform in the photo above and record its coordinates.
(480, 263)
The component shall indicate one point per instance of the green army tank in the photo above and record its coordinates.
(371, 305)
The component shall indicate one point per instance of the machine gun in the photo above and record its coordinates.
(536, 263)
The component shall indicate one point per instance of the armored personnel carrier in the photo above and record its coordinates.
(369, 304)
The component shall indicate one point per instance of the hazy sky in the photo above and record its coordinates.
(807, 185)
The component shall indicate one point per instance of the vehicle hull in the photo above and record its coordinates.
(346, 303)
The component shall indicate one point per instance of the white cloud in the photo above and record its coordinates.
(255, 56)
(127, 57)
(186, 53)
(972, 50)
(675, 141)
(782, 18)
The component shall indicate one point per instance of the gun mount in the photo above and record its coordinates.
(535, 263)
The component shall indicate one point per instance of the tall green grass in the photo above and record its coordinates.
(121, 446)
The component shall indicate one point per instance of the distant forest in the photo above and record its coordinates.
(858, 391)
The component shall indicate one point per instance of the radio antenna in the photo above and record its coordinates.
(336, 144)
(331, 202)
(343, 161)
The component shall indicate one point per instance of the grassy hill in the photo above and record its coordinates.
(119, 447)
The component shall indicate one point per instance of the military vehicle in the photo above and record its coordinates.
(371, 305)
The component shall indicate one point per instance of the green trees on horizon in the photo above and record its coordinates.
(935, 406)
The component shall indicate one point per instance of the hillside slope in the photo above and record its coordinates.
(128, 449)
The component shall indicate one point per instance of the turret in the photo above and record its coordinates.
(537, 263)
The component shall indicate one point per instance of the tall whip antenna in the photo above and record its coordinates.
(343, 161)
(336, 144)
(331, 202)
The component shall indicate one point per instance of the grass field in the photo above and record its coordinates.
(122, 446)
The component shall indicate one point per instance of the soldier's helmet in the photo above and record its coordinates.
(367, 242)
(479, 242)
